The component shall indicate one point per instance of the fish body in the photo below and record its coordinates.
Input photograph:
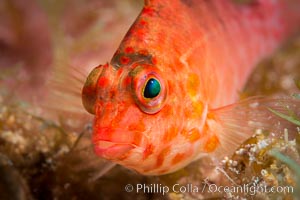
(157, 104)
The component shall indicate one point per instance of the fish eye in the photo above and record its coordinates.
(152, 88)
(149, 88)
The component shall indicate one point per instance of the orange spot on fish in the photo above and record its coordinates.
(197, 109)
(211, 115)
(139, 126)
(211, 144)
(161, 156)
(179, 157)
(127, 81)
(171, 87)
(166, 111)
(137, 138)
(124, 60)
(170, 134)
(186, 113)
(148, 151)
(120, 71)
(141, 33)
(193, 85)
(148, 11)
(194, 135)
(154, 61)
(103, 82)
(129, 50)
(143, 22)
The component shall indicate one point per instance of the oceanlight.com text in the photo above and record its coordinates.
(210, 188)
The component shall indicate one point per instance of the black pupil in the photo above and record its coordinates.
(152, 88)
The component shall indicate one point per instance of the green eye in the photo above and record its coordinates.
(152, 88)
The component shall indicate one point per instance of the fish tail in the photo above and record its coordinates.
(236, 123)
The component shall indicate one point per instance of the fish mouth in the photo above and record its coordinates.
(112, 144)
(110, 150)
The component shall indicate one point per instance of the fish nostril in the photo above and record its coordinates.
(89, 90)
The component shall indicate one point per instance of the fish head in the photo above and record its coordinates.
(143, 117)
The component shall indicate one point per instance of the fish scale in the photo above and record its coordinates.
(199, 54)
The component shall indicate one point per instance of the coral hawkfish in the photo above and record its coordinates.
(167, 97)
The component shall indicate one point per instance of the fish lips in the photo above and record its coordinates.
(112, 144)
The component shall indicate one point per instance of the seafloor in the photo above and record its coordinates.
(45, 149)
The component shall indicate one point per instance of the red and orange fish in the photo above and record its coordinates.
(158, 103)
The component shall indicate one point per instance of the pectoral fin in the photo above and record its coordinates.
(236, 123)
